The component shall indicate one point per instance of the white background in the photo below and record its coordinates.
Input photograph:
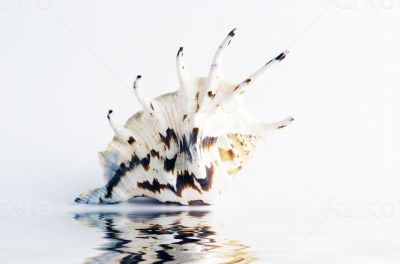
(63, 64)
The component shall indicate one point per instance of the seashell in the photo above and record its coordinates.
(186, 146)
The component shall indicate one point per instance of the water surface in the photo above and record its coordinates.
(133, 233)
(163, 237)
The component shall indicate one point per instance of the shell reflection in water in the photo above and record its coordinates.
(163, 237)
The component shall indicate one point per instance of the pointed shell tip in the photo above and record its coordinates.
(179, 51)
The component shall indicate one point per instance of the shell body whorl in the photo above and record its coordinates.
(184, 146)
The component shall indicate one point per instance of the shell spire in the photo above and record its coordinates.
(183, 75)
(215, 69)
(184, 146)
(144, 100)
(246, 83)
(121, 133)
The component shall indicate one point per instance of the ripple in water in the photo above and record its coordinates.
(163, 237)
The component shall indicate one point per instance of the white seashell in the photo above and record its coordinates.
(184, 146)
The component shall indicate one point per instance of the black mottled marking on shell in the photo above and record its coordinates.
(169, 164)
(184, 117)
(131, 140)
(151, 106)
(281, 126)
(155, 186)
(185, 180)
(155, 153)
(115, 179)
(170, 134)
(146, 162)
(164, 246)
(185, 143)
(121, 171)
(280, 56)
(184, 148)
(163, 256)
(208, 142)
(206, 183)
(179, 51)
(135, 161)
(109, 113)
(194, 135)
(134, 257)
(232, 33)
(210, 94)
